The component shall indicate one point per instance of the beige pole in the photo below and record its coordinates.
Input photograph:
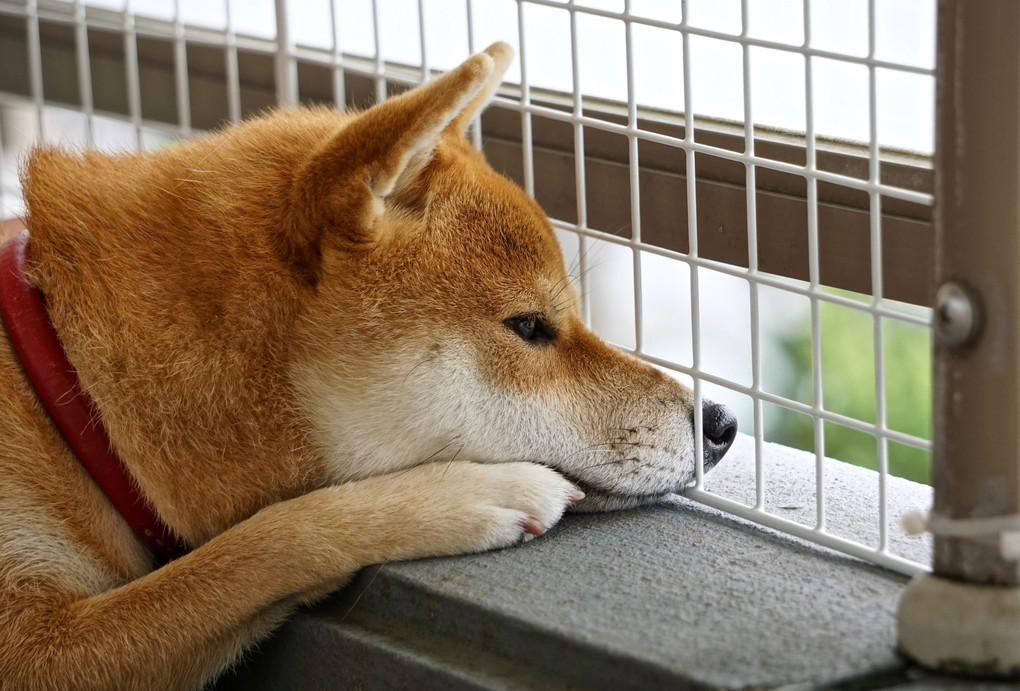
(966, 616)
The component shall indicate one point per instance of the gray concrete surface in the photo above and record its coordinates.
(673, 596)
(851, 495)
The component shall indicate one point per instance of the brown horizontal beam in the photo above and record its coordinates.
(782, 221)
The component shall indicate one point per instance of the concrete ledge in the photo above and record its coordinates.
(673, 596)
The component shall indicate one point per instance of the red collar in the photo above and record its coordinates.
(55, 380)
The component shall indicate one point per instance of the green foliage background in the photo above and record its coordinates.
(848, 375)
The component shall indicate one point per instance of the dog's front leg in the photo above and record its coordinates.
(181, 624)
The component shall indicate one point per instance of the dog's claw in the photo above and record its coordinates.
(532, 527)
(576, 494)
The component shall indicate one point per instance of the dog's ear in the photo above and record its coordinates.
(502, 55)
(340, 189)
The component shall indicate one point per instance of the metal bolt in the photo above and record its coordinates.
(957, 314)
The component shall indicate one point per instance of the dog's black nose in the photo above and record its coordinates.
(719, 425)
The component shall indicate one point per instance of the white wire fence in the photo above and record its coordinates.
(630, 285)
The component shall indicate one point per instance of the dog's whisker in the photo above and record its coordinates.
(449, 464)
(590, 447)
(418, 364)
(615, 461)
(441, 449)
(365, 590)
(566, 282)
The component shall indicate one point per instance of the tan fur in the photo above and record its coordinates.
(294, 332)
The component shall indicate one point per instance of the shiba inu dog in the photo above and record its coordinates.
(314, 341)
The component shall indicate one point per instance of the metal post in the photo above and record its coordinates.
(966, 617)
(286, 65)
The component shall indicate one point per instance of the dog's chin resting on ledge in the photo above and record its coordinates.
(316, 341)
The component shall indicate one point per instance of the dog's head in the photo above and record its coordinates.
(445, 325)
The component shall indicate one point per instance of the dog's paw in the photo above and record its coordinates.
(431, 510)
(472, 507)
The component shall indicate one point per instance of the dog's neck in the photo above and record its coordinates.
(56, 383)
(180, 315)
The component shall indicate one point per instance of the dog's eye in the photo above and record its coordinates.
(531, 327)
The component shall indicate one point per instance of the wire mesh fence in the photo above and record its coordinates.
(741, 188)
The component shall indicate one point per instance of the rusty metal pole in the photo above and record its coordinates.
(966, 616)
